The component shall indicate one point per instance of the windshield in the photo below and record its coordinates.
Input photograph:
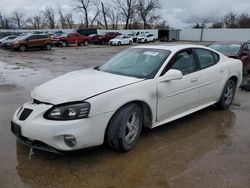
(230, 49)
(136, 62)
(22, 37)
(118, 37)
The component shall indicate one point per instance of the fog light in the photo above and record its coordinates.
(70, 140)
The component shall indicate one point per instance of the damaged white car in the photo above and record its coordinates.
(144, 86)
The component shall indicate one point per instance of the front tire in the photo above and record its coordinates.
(22, 48)
(125, 128)
(227, 96)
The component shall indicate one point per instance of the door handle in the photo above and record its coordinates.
(194, 80)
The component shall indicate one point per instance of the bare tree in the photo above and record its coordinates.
(230, 20)
(243, 20)
(104, 13)
(217, 24)
(162, 25)
(5, 22)
(84, 7)
(62, 19)
(114, 17)
(127, 8)
(18, 19)
(49, 15)
(36, 21)
(147, 11)
(69, 20)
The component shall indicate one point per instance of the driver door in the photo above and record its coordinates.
(179, 96)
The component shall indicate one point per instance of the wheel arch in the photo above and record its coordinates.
(235, 79)
(146, 113)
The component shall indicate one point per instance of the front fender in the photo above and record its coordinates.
(111, 101)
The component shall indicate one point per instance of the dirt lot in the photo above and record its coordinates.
(210, 148)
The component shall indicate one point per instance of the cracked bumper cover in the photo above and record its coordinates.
(48, 135)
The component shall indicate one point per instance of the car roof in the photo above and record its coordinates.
(230, 42)
(172, 47)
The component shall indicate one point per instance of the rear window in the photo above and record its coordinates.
(206, 58)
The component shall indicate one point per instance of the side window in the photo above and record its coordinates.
(245, 48)
(32, 37)
(248, 45)
(70, 35)
(216, 57)
(184, 62)
(205, 57)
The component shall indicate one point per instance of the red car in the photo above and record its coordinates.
(237, 50)
(71, 38)
(102, 39)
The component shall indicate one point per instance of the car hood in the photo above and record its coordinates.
(79, 85)
(115, 40)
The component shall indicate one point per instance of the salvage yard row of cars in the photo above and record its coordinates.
(46, 42)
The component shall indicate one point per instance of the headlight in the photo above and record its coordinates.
(68, 112)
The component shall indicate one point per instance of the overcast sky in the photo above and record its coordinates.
(178, 13)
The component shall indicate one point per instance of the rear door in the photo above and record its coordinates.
(179, 96)
(71, 38)
(211, 76)
(31, 41)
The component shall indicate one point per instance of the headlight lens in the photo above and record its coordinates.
(68, 112)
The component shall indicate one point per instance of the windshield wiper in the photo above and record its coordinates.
(97, 68)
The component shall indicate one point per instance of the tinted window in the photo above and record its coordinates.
(32, 37)
(229, 49)
(216, 57)
(184, 62)
(205, 58)
(248, 45)
(41, 37)
(245, 48)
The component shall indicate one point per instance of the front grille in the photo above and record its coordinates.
(25, 114)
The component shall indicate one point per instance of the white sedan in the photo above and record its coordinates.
(146, 38)
(121, 40)
(143, 86)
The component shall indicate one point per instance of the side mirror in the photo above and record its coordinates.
(172, 74)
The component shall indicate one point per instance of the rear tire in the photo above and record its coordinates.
(48, 47)
(86, 43)
(22, 48)
(125, 128)
(227, 96)
(119, 43)
(64, 44)
(130, 42)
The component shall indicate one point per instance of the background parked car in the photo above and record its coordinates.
(121, 40)
(236, 50)
(32, 41)
(86, 32)
(102, 39)
(146, 38)
(7, 39)
(71, 38)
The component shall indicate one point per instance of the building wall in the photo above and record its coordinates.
(215, 34)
